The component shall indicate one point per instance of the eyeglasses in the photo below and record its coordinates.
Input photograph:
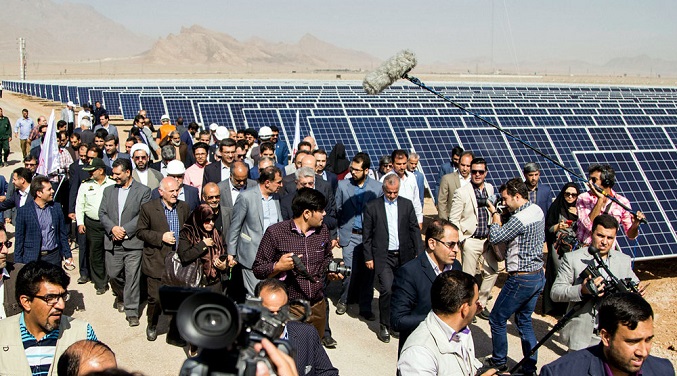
(30, 164)
(140, 157)
(213, 197)
(569, 194)
(7, 244)
(52, 299)
(450, 245)
(476, 172)
(355, 169)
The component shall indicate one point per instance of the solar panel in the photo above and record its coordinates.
(647, 138)
(236, 110)
(289, 123)
(400, 125)
(489, 144)
(181, 107)
(445, 122)
(374, 136)
(331, 130)
(432, 154)
(611, 138)
(154, 106)
(662, 177)
(129, 103)
(569, 139)
(218, 113)
(111, 100)
(657, 239)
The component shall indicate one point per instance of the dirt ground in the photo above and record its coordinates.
(359, 352)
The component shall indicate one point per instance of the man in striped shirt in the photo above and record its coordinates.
(32, 340)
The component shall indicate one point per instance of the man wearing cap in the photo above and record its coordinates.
(189, 195)
(539, 193)
(68, 115)
(265, 133)
(212, 134)
(144, 175)
(87, 216)
(166, 127)
(218, 172)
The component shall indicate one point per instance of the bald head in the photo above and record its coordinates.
(84, 357)
(211, 194)
(309, 161)
(238, 175)
(311, 141)
(169, 191)
(266, 162)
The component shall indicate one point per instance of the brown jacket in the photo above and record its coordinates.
(12, 306)
(152, 224)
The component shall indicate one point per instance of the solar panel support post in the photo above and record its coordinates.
(420, 84)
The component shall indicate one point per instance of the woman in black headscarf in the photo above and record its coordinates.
(337, 161)
(559, 222)
(198, 239)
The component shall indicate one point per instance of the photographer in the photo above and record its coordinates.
(306, 237)
(571, 284)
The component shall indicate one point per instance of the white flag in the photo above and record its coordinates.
(297, 137)
(50, 150)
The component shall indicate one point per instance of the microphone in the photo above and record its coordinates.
(390, 71)
(595, 254)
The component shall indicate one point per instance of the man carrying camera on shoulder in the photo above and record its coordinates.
(298, 251)
(574, 283)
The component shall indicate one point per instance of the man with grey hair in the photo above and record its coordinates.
(306, 177)
(391, 237)
(85, 130)
(168, 154)
(412, 166)
(539, 193)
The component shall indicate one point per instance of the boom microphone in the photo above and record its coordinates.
(390, 71)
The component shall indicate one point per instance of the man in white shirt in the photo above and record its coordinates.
(442, 344)
(408, 185)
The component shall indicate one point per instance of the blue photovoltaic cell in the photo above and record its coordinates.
(328, 112)
(154, 107)
(181, 107)
(402, 123)
(83, 95)
(609, 120)
(329, 131)
(548, 121)
(568, 140)
(579, 120)
(551, 174)
(361, 112)
(489, 144)
(445, 122)
(218, 113)
(638, 120)
(257, 118)
(238, 116)
(73, 94)
(473, 122)
(665, 120)
(650, 138)
(374, 136)
(515, 121)
(392, 111)
(659, 168)
(432, 145)
(672, 132)
(289, 123)
(96, 95)
(111, 100)
(657, 238)
(611, 138)
(130, 105)
(63, 93)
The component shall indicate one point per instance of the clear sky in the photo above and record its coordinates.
(594, 31)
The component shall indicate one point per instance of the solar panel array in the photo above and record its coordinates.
(632, 128)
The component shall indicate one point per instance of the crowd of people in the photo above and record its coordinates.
(248, 219)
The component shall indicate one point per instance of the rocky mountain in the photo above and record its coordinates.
(64, 32)
(197, 45)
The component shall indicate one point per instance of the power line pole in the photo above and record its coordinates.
(22, 59)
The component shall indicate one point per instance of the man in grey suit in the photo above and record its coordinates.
(451, 182)
(119, 214)
(143, 174)
(230, 189)
(570, 284)
(68, 115)
(254, 211)
(352, 197)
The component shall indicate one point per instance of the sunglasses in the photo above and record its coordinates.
(450, 245)
(476, 172)
(7, 244)
(568, 194)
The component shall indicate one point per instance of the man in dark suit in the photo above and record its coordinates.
(123, 248)
(220, 171)
(160, 221)
(306, 177)
(76, 175)
(410, 302)
(111, 153)
(41, 232)
(391, 238)
(9, 274)
(321, 162)
(189, 195)
(539, 193)
(626, 328)
(21, 180)
(309, 355)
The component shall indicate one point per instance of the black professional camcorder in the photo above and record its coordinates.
(494, 199)
(612, 285)
(224, 332)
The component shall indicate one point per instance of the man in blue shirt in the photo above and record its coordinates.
(22, 131)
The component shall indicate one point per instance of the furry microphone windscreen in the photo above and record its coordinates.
(390, 71)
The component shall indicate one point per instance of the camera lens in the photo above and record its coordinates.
(212, 319)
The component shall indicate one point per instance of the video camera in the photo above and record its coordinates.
(494, 199)
(224, 332)
(612, 285)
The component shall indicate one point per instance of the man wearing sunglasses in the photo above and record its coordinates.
(411, 302)
(36, 338)
(470, 214)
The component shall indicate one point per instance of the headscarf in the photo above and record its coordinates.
(337, 161)
(559, 208)
(194, 231)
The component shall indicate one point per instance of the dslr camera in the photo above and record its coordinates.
(335, 267)
(224, 332)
